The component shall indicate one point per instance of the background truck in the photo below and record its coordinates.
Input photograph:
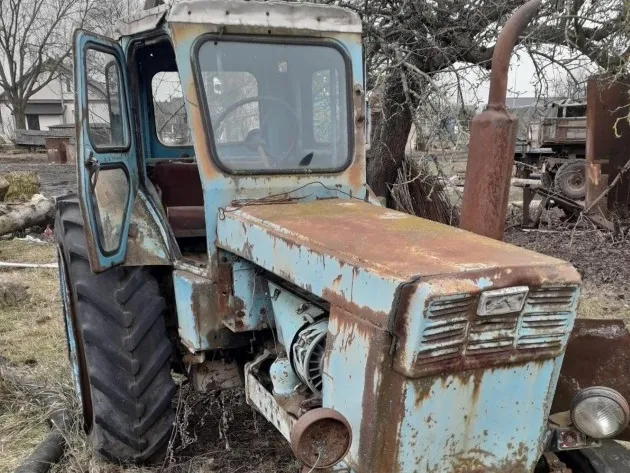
(556, 146)
(254, 254)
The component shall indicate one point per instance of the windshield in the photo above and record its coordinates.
(276, 107)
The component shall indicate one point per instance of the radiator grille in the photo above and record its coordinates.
(550, 299)
(453, 333)
(444, 332)
(491, 334)
(546, 318)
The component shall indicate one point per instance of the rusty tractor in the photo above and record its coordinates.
(223, 228)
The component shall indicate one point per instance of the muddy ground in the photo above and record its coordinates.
(215, 433)
(56, 179)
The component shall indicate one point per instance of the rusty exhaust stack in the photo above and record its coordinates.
(493, 140)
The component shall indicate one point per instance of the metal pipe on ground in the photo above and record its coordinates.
(493, 140)
(50, 450)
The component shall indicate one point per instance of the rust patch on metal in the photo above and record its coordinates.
(606, 344)
(416, 247)
(321, 438)
(366, 313)
(608, 138)
(382, 385)
(224, 288)
(468, 464)
(356, 172)
(488, 172)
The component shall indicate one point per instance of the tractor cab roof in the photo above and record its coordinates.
(241, 16)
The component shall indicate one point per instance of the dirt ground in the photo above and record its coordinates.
(215, 433)
(56, 179)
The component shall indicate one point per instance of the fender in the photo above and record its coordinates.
(607, 345)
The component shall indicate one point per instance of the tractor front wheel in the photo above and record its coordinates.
(610, 457)
(118, 347)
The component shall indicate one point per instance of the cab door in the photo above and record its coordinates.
(106, 147)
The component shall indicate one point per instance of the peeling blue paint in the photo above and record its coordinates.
(484, 283)
(251, 299)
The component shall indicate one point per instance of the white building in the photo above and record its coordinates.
(52, 105)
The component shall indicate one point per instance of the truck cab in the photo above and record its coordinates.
(223, 226)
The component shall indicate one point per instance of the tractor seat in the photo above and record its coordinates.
(187, 221)
(180, 189)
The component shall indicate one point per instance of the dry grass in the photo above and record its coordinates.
(32, 334)
(23, 424)
(32, 343)
(22, 185)
(601, 306)
(21, 251)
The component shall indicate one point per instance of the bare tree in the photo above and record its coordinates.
(35, 40)
(410, 45)
(110, 12)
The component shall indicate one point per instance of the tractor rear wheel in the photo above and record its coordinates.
(119, 349)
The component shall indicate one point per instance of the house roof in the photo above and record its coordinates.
(518, 102)
(53, 108)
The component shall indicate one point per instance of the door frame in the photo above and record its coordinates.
(92, 160)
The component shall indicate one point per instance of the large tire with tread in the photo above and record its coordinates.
(122, 349)
(570, 179)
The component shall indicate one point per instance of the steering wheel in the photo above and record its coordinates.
(254, 139)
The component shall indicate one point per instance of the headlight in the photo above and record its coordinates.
(600, 412)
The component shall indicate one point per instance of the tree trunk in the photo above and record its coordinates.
(19, 116)
(391, 124)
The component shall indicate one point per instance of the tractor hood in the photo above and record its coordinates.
(428, 378)
(361, 257)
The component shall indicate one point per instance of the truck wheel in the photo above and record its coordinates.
(118, 346)
(570, 179)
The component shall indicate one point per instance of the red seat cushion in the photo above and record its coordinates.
(179, 183)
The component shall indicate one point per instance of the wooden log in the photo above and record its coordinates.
(19, 216)
(531, 183)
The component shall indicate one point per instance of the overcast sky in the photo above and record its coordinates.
(523, 79)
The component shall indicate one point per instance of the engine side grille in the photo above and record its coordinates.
(551, 299)
(445, 329)
(545, 321)
(453, 333)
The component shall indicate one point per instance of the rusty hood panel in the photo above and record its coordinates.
(358, 256)
(384, 240)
